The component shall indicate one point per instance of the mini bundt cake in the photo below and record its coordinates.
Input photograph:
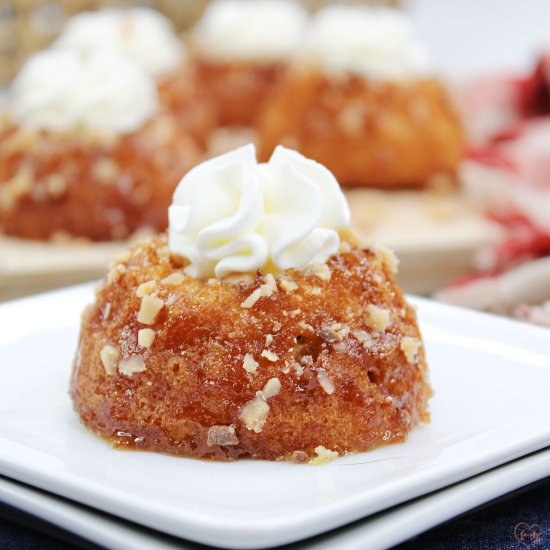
(86, 150)
(362, 101)
(225, 343)
(240, 50)
(149, 39)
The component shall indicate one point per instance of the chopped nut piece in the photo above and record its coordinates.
(252, 299)
(124, 257)
(316, 291)
(364, 338)
(222, 435)
(324, 381)
(344, 247)
(333, 333)
(254, 413)
(298, 369)
(115, 274)
(146, 337)
(268, 340)
(145, 288)
(320, 270)
(250, 364)
(265, 290)
(270, 355)
(105, 171)
(276, 326)
(163, 252)
(56, 185)
(288, 285)
(132, 365)
(172, 280)
(410, 346)
(377, 318)
(272, 388)
(299, 457)
(109, 357)
(270, 285)
(107, 312)
(150, 307)
(307, 361)
(324, 456)
(12, 190)
(388, 257)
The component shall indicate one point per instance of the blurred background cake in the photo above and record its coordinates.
(87, 149)
(240, 50)
(362, 99)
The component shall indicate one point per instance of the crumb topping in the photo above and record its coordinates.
(131, 365)
(410, 346)
(150, 307)
(146, 337)
(364, 338)
(264, 290)
(288, 285)
(145, 288)
(333, 333)
(254, 413)
(115, 274)
(222, 435)
(107, 312)
(320, 270)
(270, 355)
(250, 364)
(377, 318)
(388, 257)
(172, 280)
(325, 382)
(324, 456)
(272, 388)
(299, 457)
(109, 357)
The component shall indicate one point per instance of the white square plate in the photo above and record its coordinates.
(491, 378)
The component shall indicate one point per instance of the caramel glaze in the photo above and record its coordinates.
(194, 376)
(237, 90)
(384, 134)
(97, 187)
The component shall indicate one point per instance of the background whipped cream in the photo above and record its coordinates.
(378, 43)
(59, 90)
(142, 33)
(264, 30)
(231, 214)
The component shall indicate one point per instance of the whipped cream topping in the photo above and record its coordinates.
(377, 43)
(142, 33)
(264, 30)
(60, 90)
(231, 214)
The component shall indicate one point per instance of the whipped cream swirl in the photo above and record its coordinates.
(377, 43)
(141, 33)
(231, 214)
(259, 30)
(59, 90)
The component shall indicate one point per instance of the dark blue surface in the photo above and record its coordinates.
(490, 528)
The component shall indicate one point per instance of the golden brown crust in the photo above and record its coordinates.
(367, 133)
(195, 396)
(91, 187)
(237, 90)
